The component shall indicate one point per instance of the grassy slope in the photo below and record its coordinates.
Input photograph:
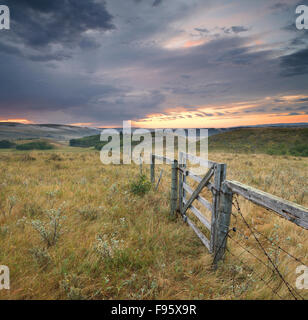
(275, 141)
(86, 142)
(157, 257)
(279, 141)
(94, 141)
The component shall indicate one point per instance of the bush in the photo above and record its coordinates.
(55, 157)
(106, 248)
(40, 256)
(5, 144)
(85, 142)
(50, 231)
(299, 150)
(32, 209)
(89, 213)
(141, 186)
(27, 157)
(71, 286)
(39, 145)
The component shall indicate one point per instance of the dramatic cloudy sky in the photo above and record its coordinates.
(160, 63)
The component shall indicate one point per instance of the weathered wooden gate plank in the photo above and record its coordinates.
(200, 235)
(203, 201)
(287, 209)
(201, 185)
(200, 216)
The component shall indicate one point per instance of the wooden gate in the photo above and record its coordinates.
(183, 198)
(213, 181)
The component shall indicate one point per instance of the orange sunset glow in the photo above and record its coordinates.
(82, 124)
(188, 64)
(229, 115)
(217, 122)
(23, 121)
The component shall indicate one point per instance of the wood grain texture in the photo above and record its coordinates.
(174, 187)
(199, 188)
(203, 201)
(200, 216)
(200, 235)
(286, 209)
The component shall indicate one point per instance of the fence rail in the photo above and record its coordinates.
(224, 195)
(220, 207)
(288, 210)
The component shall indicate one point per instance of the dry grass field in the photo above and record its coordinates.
(70, 228)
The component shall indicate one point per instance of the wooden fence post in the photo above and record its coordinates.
(174, 187)
(152, 168)
(181, 165)
(219, 177)
(223, 223)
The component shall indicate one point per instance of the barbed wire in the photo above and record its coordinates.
(248, 251)
(257, 274)
(271, 264)
(247, 238)
(288, 285)
(282, 249)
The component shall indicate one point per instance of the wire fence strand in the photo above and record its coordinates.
(275, 269)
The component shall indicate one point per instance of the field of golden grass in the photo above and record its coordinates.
(70, 228)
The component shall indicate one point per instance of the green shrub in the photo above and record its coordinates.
(299, 149)
(50, 230)
(55, 157)
(85, 142)
(5, 144)
(104, 247)
(27, 157)
(89, 212)
(32, 209)
(40, 256)
(95, 141)
(71, 286)
(274, 141)
(38, 145)
(141, 186)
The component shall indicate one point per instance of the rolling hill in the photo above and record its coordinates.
(266, 140)
(274, 141)
(58, 132)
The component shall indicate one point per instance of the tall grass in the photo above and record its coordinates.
(117, 245)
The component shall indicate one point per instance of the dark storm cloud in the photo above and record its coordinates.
(302, 100)
(29, 88)
(157, 3)
(239, 29)
(295, 64)
(125, 67)
(202, 30)
(154, 4)
(38, 23)
(302, 108)
(8, 49)
(279, 6)
(235, 29)
(299, 41)
(216, 54)
(123, 107)
(57, 56)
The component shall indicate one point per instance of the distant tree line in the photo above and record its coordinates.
(35, 145)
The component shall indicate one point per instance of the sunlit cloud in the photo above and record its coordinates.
(83, 124)
(24, 121)
(180, 63)
(261, 111)
(183, 43)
